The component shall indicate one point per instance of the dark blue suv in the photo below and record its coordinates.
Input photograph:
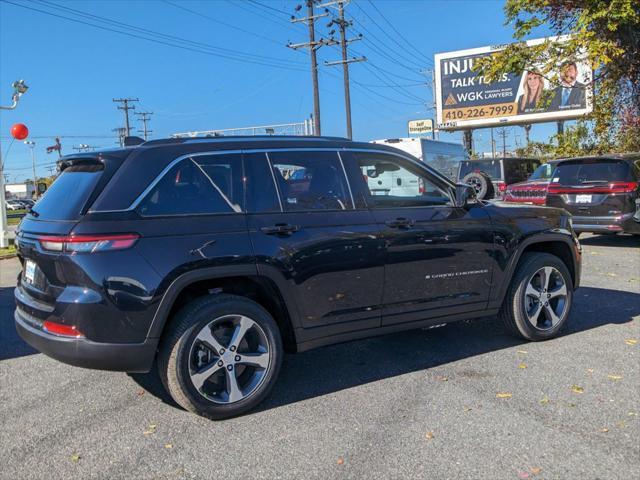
(212, 257)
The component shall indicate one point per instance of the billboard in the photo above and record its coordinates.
(465, 99)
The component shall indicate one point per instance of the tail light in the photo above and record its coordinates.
(88, 243)
(61, 329)
(613, 187)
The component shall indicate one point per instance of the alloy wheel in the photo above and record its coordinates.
(229, 359)
(546, 300)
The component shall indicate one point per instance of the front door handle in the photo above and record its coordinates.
(400, 223)
(280, 229)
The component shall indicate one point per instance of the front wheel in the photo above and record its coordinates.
(221, 356)
(538, 302)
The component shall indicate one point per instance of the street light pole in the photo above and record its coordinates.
(19, 88)
(32, 145)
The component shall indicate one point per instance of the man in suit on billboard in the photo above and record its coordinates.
(571, 93)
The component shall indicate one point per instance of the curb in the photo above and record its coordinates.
(8, 257)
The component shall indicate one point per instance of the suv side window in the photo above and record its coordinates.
(261, 195)
(310, 181)
(202, 184)
(390, 182)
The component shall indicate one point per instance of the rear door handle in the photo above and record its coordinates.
(400, 223)
(280, 229)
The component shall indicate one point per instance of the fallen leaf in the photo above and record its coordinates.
(544, 400)
(614, 377)
(631, 341)
(75, 457)
(632, 414)
(468, 409)
(571, 405)
(168, 445)
(429, 436)
(536, 470)
(577, 389)
(151, 429)
(604, 430)
(442, 378)
(611, 274)
(140, 392)
(522, 366)
(504, 395)
(589, 370)
(521, 351)
(340, 461)
(621, 424)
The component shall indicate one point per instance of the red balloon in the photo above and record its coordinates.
(19, 131)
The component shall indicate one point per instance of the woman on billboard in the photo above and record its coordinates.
(529, 101)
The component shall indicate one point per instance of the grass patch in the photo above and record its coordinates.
(23, 211)
(13, 221)
(10, 250)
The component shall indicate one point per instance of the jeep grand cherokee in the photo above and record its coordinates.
(212, 257)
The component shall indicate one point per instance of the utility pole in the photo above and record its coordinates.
(503, 132)
(493, 145)
(126, 107)
(32, 145)
(51, 168)
(343, 25)
(121, 133)
(313, 47)
(145, 117)
(19, 89)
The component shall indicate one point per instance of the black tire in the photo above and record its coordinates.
(482, 183)
(174, 356)
(513, 313)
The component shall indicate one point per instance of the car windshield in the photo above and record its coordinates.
(543, 172)
(490, 167)
(591, 171)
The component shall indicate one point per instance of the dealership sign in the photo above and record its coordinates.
(420, 127)
(465, 99)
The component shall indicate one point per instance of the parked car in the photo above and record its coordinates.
(209, 259)
(14, 205)
(602, 193)
(491, 176)
(534, 189)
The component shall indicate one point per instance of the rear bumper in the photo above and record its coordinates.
(125, 357)
(609, 224)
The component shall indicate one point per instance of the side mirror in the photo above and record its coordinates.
(465, 194)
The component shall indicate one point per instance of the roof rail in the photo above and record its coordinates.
(247, 138)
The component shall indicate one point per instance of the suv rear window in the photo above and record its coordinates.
(591, 171)
(66, 197)
(490, 167)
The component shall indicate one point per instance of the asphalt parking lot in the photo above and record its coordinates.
(463, 401)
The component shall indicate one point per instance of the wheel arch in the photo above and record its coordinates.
(271, 293)
(557, 244)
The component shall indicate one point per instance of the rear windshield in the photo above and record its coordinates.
(490, 167)
(68, 194)
(592, 172)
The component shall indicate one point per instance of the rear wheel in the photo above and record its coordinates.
(539, 298)
(221, 356)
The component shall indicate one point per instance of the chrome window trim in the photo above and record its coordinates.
(171, 164)
(273, 177)
(346, 178)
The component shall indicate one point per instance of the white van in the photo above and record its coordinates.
(444, 157)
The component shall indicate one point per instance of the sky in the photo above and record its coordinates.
(217, 64)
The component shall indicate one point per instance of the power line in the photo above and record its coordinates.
(167, 43)
(156, 33)
(398, 32)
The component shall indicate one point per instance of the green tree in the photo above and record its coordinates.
(607, 33)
